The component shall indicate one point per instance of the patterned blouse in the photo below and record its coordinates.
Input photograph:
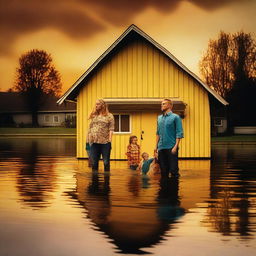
(99, 129)
(133, 154)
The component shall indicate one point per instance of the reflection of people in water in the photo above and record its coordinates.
(168, 199)
(93, 194)
(134, 184)
(98, 198)
(125, 217)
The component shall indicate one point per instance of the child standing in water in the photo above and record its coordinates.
(133, 153)
(148, 165)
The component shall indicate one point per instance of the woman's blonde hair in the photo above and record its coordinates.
(103, 111)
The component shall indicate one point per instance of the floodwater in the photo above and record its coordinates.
(51, 204)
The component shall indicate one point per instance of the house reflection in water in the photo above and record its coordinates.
(214, 201)
(133, 211)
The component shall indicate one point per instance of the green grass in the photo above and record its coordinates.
(72, 131)
(46, 130)
(234, 138)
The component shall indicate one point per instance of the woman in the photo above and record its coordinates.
(100, 134)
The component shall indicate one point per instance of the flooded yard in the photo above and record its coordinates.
(51, 204)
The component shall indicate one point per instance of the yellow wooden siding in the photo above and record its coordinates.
(140, 70)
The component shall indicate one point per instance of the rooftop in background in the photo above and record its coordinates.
(11, 102)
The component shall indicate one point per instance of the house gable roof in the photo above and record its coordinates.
(14, 102)
(72, 92)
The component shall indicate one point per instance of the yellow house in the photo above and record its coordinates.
(133, 75)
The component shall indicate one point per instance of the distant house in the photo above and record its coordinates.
(133, 76)
(219, 122)
(14, 111)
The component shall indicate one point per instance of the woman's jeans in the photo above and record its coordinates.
(96, 151)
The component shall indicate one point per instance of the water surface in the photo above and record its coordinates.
(52, 204)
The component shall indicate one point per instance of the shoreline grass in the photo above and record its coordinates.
(72, 131)
(235, 138)
(41, 130)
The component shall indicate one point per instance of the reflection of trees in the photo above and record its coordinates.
(126, 218)
(35, 180)
(34, 158)
(18, 147)
(219, 214)
(232, 189)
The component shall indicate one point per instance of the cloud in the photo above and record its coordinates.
(122, 11)
(214, 4)
(72, 17)
(26, 16)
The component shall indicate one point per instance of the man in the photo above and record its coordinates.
(168, 136)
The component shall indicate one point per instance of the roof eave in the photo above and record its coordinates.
(157, 45)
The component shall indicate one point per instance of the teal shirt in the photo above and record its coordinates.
(146, 165)
(169, 127)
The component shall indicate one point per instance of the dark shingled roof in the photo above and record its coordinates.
(13, 102)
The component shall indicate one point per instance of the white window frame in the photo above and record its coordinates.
(130, 122)
(221, 122)
(70, 116)
(54, 120)
(47, 116)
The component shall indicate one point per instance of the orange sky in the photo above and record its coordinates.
(77, 32)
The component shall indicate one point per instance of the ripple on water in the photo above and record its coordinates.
(46, 194)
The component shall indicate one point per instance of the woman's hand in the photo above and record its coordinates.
(110, 136)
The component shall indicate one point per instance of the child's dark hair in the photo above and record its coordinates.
(131, 138)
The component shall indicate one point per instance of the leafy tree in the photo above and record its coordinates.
(36, 78)
(229, 67)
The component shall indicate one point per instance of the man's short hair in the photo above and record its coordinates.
(170, 101)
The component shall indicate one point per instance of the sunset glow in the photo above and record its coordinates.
(76, 33)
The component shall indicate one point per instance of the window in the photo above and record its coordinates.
(55, 119)
(122, 123)
(218, 122)
(70, 116)
(47, 119)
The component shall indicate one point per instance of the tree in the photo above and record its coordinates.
(243, 92)
(229, 67)
(215, 64)
(36, 78)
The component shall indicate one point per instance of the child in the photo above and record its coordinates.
(133, 153)
(148, 165)
(154, 167)
(145, 157)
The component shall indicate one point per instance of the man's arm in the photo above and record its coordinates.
(157, 137)
(157, 140)
(175, 148)
(179, 134)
